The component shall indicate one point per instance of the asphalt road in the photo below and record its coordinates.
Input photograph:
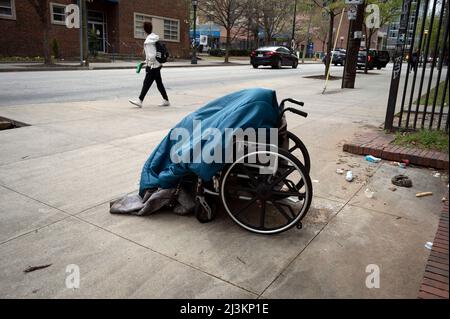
(20, 88)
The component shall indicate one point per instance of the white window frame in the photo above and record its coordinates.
(52, 5)
(13, 12)
(178, 29)
(161, 36)
(134, 25)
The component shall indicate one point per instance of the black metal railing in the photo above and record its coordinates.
(424, 87)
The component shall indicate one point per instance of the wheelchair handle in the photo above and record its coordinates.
(292, 101)
(298, 112)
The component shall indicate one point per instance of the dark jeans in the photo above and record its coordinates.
(153, 75)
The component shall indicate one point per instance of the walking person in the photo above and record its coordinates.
(153, 69)
(414, 61)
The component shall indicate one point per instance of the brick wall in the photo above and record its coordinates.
(23, 36)
(175, 9)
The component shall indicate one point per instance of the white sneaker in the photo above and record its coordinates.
(136, 102)
(164, 103)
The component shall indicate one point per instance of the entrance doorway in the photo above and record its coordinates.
(97, 24)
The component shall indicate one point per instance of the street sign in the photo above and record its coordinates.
(203, 40)
(351, 13)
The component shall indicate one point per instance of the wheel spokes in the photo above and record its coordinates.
(283, 176)
(262, 214)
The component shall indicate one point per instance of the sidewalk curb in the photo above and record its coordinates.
(379, 145)
(91, 68)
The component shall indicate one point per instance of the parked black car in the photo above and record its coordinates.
(338, 57)
(276, 57)
(376, 59)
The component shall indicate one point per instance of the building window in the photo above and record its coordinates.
(7, 9)
(57, 13)
(139, 20)
(171, 30)
(167, 29)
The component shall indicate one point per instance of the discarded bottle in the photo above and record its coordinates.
(349, 176)
(429, 245)
(372, 159)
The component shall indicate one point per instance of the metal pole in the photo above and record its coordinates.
(81, 31)
(194, 53)
(398, 61)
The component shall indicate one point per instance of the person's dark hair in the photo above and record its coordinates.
(148, 27)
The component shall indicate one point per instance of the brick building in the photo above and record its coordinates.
(118, 25)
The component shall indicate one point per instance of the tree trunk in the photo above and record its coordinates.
(330, 43)
(227, 46)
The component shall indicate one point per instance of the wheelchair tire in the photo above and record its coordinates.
(298, 144)
(241, 180)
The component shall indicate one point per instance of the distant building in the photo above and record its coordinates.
(393, 28)
(117, 24)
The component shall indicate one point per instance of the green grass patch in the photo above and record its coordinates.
(432, 140)
(423, 99)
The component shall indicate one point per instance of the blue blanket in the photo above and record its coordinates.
(250, 108)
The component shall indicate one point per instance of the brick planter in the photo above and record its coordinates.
(379, 144)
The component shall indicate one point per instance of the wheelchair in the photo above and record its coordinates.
(268, 203)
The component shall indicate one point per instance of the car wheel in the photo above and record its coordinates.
(335, 64)
(255, 66)
(279, 64)
(295, 64)
(378, 67)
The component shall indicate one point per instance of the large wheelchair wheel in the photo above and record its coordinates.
(299, 150)
(270, 202)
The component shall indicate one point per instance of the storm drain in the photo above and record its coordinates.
(8, 124)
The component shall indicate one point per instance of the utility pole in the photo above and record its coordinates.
(353, 45)
(84, 33)
(81, 30)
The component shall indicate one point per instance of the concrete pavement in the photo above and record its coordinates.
(58, 175)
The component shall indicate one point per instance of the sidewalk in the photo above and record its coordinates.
(117, 65)
(58, 175)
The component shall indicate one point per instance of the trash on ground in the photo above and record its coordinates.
(444, 199)
(372, 159)
(393, 189)
(401, 165)
(369, 193)
(405, 161)
(349, 176)
(340, 171)
(436, 174)
(315, 181)
(401, 181)
(429, 245)
(34, 268)
(423, 194)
